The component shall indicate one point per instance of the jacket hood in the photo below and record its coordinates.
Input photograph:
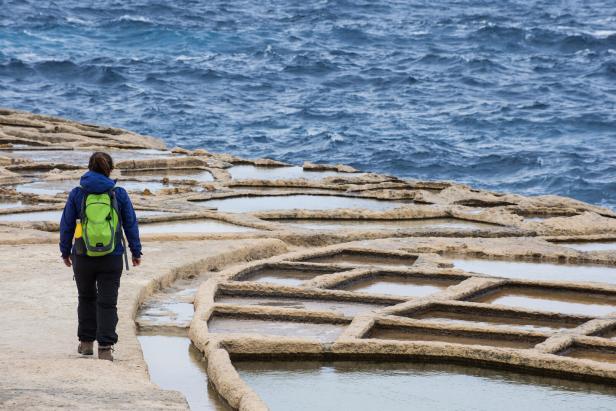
(96, 183)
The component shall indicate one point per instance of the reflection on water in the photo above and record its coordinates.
(314, 385)
(282, 276)
(319, 331)
(171, 173)
(604, 356)
(175, 364)
(248, 172)
(11, 204)
(63, 186)
(363, 258)
(81, 157)
(192, 226)
(493, 321)
(554, 301)
(347, 308)
(591, 246)
(402, 334)
(396, 285)
(427, 224)
(305, 202)
(53, 215)
(539, 271)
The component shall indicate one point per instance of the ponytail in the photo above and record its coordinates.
(101, 163)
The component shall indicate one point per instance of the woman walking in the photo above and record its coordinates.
(96, 254)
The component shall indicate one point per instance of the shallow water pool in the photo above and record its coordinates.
(63, 186)
(399, 286)
(175, 364)
(249, 172)
(81, 157)
(539, 271)
(172, 173)
(363, 258)
(282, 276)
(323, 332)
(495, 321)
(12, 204)
(591, 246)
(53, 215)
(347, 308)
(425, 224)
(203, 226)
(314, 385)
(300, 201)
(564, 302)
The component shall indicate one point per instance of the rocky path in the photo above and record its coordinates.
(38, 359)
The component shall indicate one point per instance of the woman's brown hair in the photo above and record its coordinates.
(101, 163)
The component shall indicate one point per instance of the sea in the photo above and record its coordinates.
(507, 95)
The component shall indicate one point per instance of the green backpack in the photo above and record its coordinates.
(101, 224)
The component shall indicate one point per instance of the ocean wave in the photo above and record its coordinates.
(134, 19)
(517, 98)
(71, 72)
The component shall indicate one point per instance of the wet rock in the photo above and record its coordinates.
(341, 168)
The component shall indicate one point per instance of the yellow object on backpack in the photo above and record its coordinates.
(78, 231)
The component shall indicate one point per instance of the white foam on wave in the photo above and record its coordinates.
(78, 21)
(140, 19)
(602, 34)
(41, 37)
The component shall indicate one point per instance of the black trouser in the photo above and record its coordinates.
(98, 281)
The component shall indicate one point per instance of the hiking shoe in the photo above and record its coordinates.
(105, 352)
(85, 348)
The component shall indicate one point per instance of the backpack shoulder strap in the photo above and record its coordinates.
(114, 200)
(116, 207)
(82, 213)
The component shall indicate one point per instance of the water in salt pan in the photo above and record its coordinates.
(539, 271)
(297, 329)
(543, 217)
(175, 364)
(282, 276)
(347, 308)
(594, 354)
(171, 307)
(402, 334)
(565, 302)
(420, 224)
(400, 286)
(192, 226)
(591, 246)
(492, 320)
(149, 213)
(355, 385)
(364, 258)
(64, 186)
(249, 172)
(180, 174)
(300, 201)
(81, 157)
(165, 314)
(53, 215)
(11, 204)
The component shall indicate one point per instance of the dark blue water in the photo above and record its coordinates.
(511, 95)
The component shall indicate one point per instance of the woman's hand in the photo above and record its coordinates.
(67, 261)
(136, 261)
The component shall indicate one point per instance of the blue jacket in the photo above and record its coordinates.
(97, 183)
